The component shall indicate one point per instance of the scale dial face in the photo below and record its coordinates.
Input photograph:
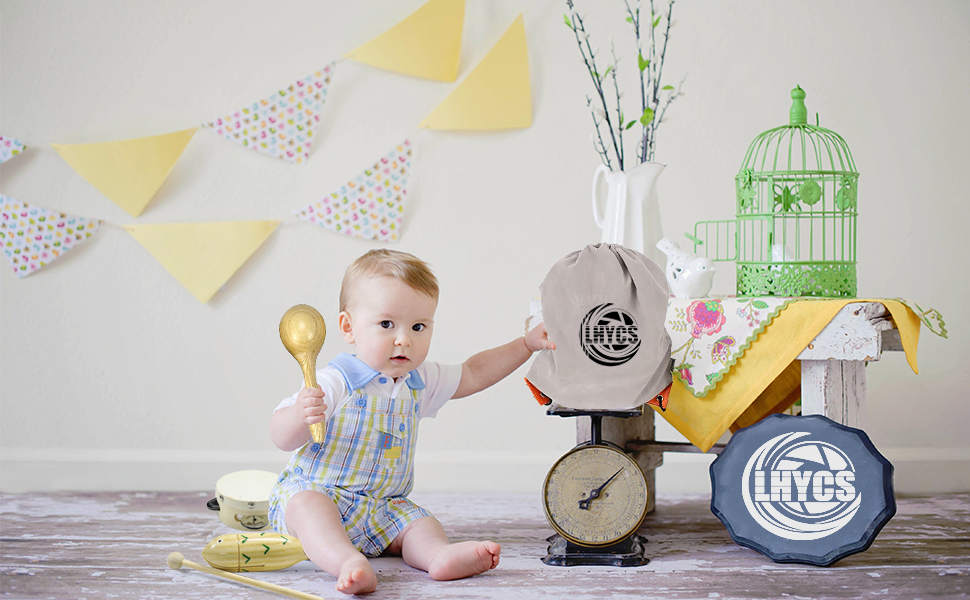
(595, 496)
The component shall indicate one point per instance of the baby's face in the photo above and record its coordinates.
(390, 323)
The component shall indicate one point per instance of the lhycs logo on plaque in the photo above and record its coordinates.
(802, 489)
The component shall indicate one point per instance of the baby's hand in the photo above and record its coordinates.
(538, 339)
(310, 407)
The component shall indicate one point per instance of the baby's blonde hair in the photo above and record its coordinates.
(388, 263)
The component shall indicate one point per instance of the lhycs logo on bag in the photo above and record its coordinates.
(800, 489)
(609, 335)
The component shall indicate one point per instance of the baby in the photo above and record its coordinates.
(346, 497)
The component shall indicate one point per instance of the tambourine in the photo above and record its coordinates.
(242, 499)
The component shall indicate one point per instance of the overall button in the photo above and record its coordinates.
(402, 428)
(383, 379)
(361, 402)
(315, 447)
(298, 470)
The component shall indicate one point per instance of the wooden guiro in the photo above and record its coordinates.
(256, 551)
(303, 331)
(176, 561)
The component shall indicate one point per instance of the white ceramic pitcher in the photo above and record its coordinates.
(631, 216)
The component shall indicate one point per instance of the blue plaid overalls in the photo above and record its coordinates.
(365, 464)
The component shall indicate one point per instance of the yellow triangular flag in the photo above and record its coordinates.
(496, 95)
(128, 172)
(426, 44)
(203, 256)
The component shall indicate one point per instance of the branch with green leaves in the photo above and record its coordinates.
(654, 98)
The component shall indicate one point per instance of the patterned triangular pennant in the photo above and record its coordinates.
(33, 237)
(281, 125)
(10, 147)
(371, 206)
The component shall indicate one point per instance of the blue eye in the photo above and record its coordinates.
(387, 324)
(419, 327)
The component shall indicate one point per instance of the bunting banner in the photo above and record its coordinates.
(33, 237)
(371, 206)
(203, 256)
(128, 172)
(281, 125)
(496, 94)
(426, 44)
(10, 147)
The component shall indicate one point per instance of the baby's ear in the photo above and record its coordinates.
(346, 326)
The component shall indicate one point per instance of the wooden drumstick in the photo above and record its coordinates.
(176, 561)
(303, 331)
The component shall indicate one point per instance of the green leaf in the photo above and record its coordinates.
(667, 87)
(569, 23)
(760, 304)
(647, 117)
(608, 69)
(644, 63)
(630, 124)
(629, 19)
(656, 21)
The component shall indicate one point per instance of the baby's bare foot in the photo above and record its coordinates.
(356, 577)
(464, 559)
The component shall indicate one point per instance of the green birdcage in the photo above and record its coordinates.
(795, 228)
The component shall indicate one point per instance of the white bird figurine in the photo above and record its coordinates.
(688, 275)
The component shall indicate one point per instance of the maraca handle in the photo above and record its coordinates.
(318, 431)
(309, 373)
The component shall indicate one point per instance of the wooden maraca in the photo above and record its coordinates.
(303, 331)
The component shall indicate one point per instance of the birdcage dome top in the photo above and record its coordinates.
(798, 147)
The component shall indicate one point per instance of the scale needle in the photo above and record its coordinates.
(584, 504)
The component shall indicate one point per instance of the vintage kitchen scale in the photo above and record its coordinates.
(595, 497)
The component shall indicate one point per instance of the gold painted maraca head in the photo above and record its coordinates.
(303, 330)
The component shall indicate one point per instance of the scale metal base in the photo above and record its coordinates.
(628, 553)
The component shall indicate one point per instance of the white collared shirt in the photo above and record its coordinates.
(436, 384)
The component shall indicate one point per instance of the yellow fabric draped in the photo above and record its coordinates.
(767, 378)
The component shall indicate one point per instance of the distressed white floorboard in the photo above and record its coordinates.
(113, 545)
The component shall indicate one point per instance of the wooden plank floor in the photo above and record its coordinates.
(113, 545)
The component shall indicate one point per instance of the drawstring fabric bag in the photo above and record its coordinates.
(604, 307)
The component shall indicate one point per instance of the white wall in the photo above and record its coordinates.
(115, 377)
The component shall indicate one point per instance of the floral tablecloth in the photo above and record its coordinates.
(710, 334)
